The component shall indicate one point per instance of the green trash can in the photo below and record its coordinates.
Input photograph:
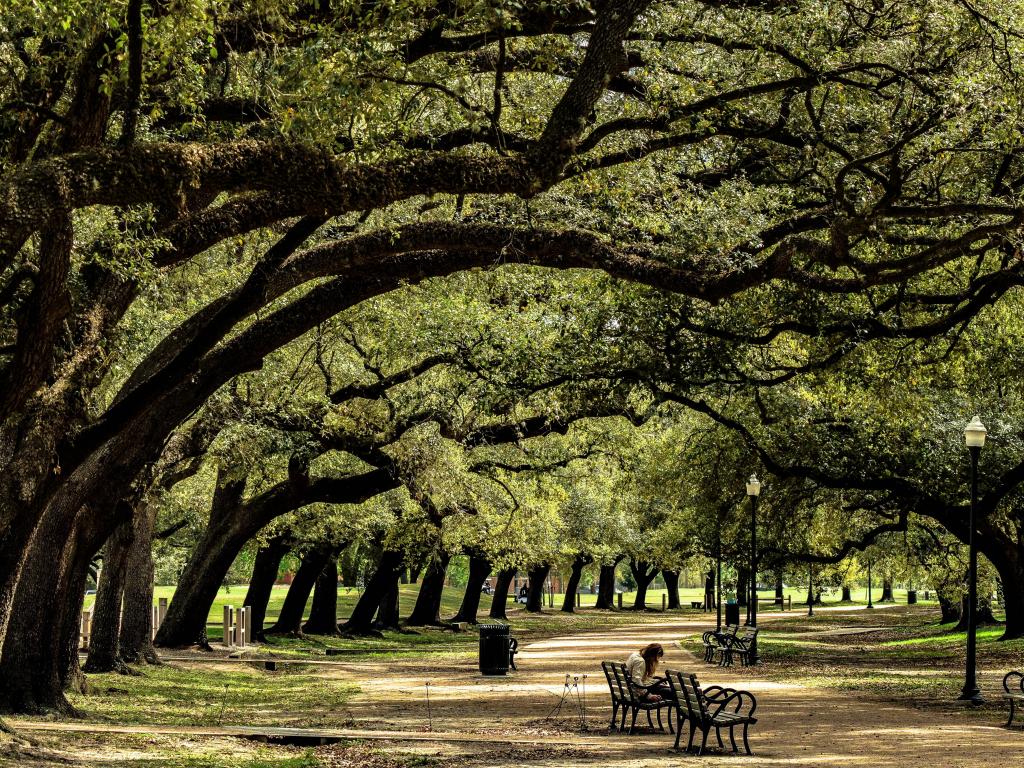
(494, 643)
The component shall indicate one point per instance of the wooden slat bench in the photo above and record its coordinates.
(716, 708)
(715, 640)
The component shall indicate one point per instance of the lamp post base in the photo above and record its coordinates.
(971, 696)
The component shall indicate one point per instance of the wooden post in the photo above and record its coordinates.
(664, 598)
(242, 628)
(85, 628)
(229, 629)
(162, 611)
(154, 621)
(619, 596)
(579, 600)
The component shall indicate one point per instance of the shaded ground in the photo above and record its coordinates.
(846, 688)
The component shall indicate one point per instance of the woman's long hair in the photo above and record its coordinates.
(651, 654)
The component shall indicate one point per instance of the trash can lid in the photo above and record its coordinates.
(493, 629)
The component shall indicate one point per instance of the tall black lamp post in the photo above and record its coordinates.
(974, 436)
(753, 491)
(718, 577)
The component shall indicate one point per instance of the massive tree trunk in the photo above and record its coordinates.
(672, 586)
(572, 586)
(388, 612)
(223, 539)
(479, 570)
(261, 584)
(847, 595)
(948, 608)
(606, 585)
(378, 588)
(136, 641)
(535, 593)
(104, 652)
(289, 621)
(500, 598)
(643, 573)
(40, 653)
(348, 564)
(709, 590)
(427, 611)
(323, 615)
(887, 596)
(984, 617)
(1011, 573)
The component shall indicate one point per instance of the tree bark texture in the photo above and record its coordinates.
(573, 584)
(137, 614)
(323, 615)
(427, 611)
(265, 568)
(479, 570)
(499, 600)
(289, 620)
(104, 642)
(535, 594)
(672, 586)
(643, 573)
(380, 586)
(606, 585)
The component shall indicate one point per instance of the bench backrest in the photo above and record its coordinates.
(749, 634)
(731, 629)
(622, 679)
(608, 667)
(689, 697)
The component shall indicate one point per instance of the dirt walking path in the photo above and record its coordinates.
(798, 725)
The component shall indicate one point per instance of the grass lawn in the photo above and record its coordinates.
(901, 653)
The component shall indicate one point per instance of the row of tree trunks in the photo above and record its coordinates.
(289, 620)
(380, 587)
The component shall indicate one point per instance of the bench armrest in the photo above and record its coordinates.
(740, 703)
(1009, 681)
(715, 692)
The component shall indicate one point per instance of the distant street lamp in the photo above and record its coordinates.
(870, 604)
(753, 491)
(810, 590)
(974, 436)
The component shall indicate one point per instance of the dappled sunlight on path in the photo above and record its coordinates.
(798, 725)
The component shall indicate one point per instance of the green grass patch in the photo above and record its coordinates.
(176, 695)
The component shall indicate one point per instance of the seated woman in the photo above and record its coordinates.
(641, 667)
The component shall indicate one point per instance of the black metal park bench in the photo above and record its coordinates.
(714, 640)
(627, 702)
(739, 645)
(716, 707)
(1013, 685)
